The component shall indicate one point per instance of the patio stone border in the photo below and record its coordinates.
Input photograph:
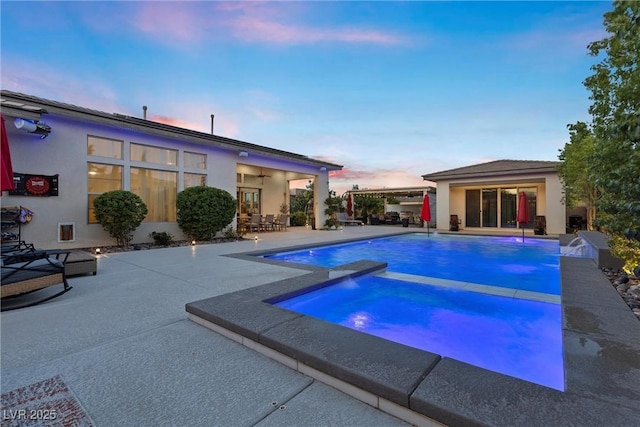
(601, 343)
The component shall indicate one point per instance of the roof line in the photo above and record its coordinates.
(217, 140)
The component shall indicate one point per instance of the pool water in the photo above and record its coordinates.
(515, 337)
(532, 265)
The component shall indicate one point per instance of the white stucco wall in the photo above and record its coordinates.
(555, 207)
(451, 198)
(64, 152)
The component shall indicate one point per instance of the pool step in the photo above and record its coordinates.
(473, 287)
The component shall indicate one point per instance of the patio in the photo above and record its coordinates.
(122, 342)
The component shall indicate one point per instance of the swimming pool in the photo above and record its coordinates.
(532, 265)
(516, 337)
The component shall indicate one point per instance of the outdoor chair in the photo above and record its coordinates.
(540, 225)
(281, 222)
(344, 220)
(255, 222)
(268, 222)
(454, 223)
(28, 271)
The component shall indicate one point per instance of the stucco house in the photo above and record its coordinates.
(64, 156)
(485, 196)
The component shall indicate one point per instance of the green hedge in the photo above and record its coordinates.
(204, 211)
(120, 212)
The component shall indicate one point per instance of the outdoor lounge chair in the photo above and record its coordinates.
(342, 218)
(28, 271)
(454, 223)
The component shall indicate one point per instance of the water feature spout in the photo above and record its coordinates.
(577, 247)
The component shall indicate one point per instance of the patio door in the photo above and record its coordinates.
(472, 210)
(248, 201)
(490, 207)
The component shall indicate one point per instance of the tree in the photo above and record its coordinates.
(615, 163)
(576, 155)
(204, 211)
(333, 204)
(368, 203)
(120, 212)
(299, 203)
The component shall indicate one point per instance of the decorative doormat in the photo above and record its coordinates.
(46, 403)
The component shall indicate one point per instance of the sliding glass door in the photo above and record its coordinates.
(485, 206)
(508, 206)
(489, 207)
(472, 211)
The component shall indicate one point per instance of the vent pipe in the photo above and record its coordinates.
(144, 112)
(212, 116)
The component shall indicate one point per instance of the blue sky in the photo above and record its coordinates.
(390, 90)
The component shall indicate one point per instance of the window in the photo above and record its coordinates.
(101, 178)
(194, 180)
(159, 190)
(148, 154)
(104, 147)
(195, 160)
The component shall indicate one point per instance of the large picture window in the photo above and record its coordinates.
(194, 180)
(104, 147)
(195, 160)
(101, 178)
(149, 154)
(159, 190)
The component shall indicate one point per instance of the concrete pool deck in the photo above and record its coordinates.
(124, 345)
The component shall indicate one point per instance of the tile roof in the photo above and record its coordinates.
(115, 119)
(495, 168)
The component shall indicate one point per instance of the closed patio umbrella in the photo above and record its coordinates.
(5, 158)
(425, 214)
(523, 212)
(349, 206)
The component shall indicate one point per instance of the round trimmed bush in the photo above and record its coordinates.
(204, 211)
(120, 212)
(298, 218)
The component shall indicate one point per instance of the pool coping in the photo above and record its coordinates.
(601, 340)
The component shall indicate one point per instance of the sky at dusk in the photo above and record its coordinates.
(390, 90)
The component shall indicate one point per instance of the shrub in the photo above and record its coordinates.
(204, 211)
(237, 234)
(120, 212)
(161, 239)
(298, 218)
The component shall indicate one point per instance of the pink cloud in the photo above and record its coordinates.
(171, 21)
(255, 22)
(257, 28)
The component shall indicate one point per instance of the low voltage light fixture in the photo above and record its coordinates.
(243, 154)
(323, 169)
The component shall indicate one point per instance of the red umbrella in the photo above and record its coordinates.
(5, 159)
(523, 212)
(349, 206)
(425, 214)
